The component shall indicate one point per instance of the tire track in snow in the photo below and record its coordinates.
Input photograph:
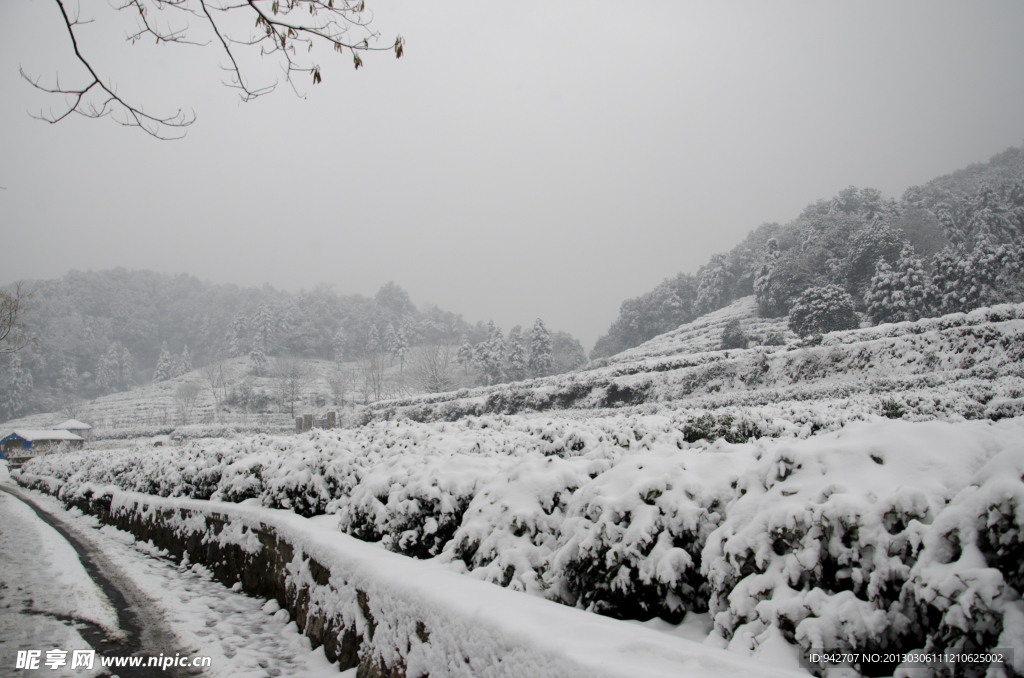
(145, 631)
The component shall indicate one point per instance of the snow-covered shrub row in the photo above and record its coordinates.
(883, 537)
(610, 514)
(984, 344)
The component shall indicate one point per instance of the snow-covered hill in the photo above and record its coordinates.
(957, 366)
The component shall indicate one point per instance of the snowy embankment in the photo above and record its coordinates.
(395, 616)
(880, 536)
(950, 367)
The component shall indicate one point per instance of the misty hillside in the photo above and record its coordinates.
(948, 232)
(99, 334)
(958, 366)
(952, 245)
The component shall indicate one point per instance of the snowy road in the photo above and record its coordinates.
(122, 597)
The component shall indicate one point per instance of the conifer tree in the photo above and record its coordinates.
(257, 358)
(184, 365)
(390, 342)
(401, 348)
(540, 350)
(899, 293)
(373, 341)
(237, 332)
(465, 355)
(515, 365)
(338, 345)
(69, 378)
(164, 365)
(108, 371)
(266, 323)
(989, 274)
(714, 289)
(490, 354)
(16, 385)
(127, 365)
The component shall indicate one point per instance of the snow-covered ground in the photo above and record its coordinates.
(46, 593)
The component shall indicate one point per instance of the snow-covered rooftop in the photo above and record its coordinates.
(35, 435)
(72, 425)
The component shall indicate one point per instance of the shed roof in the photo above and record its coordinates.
(35, 435)
(73, 425)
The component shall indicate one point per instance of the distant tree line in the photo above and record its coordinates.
(95, 333)
(954, 244)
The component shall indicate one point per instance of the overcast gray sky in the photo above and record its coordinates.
(523, 159)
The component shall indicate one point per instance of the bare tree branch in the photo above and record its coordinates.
(287, 29)
(76, 101)
(12, 330)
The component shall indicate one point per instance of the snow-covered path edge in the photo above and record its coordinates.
(393, 615)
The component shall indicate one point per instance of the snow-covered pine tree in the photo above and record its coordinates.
(491, 354)
(779, 283)
(465, 355)
(184, 365)
(714, 289)
(257, 358)
(68, 379)
(15, 387)
(401, 348)
(237, 331)
(127, 365)
(540, 350)
(338, 345)
(108, 371)
(164, 365)
(373, 341)
(390, 341)
(515, 364)
(823, 309)
(901, 292)
(989, 274)
(265, 323)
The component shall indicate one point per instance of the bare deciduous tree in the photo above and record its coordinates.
(218, 382)
(433, 367)
(12, 330)
(373, 370)
(71, 403)
(186, 396)
(285, 29)
(292, 375)
(340, 381)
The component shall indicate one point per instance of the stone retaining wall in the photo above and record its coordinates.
(263, 572)
(388, 615)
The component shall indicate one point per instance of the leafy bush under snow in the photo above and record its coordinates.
(886, 535)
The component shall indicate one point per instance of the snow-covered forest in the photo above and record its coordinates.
(953, 244)
(107, 332)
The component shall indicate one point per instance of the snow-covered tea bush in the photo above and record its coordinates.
(511, 527)
(631, 543)
(872, 534)
(823, 309)
(882, 537)
(967, 583)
